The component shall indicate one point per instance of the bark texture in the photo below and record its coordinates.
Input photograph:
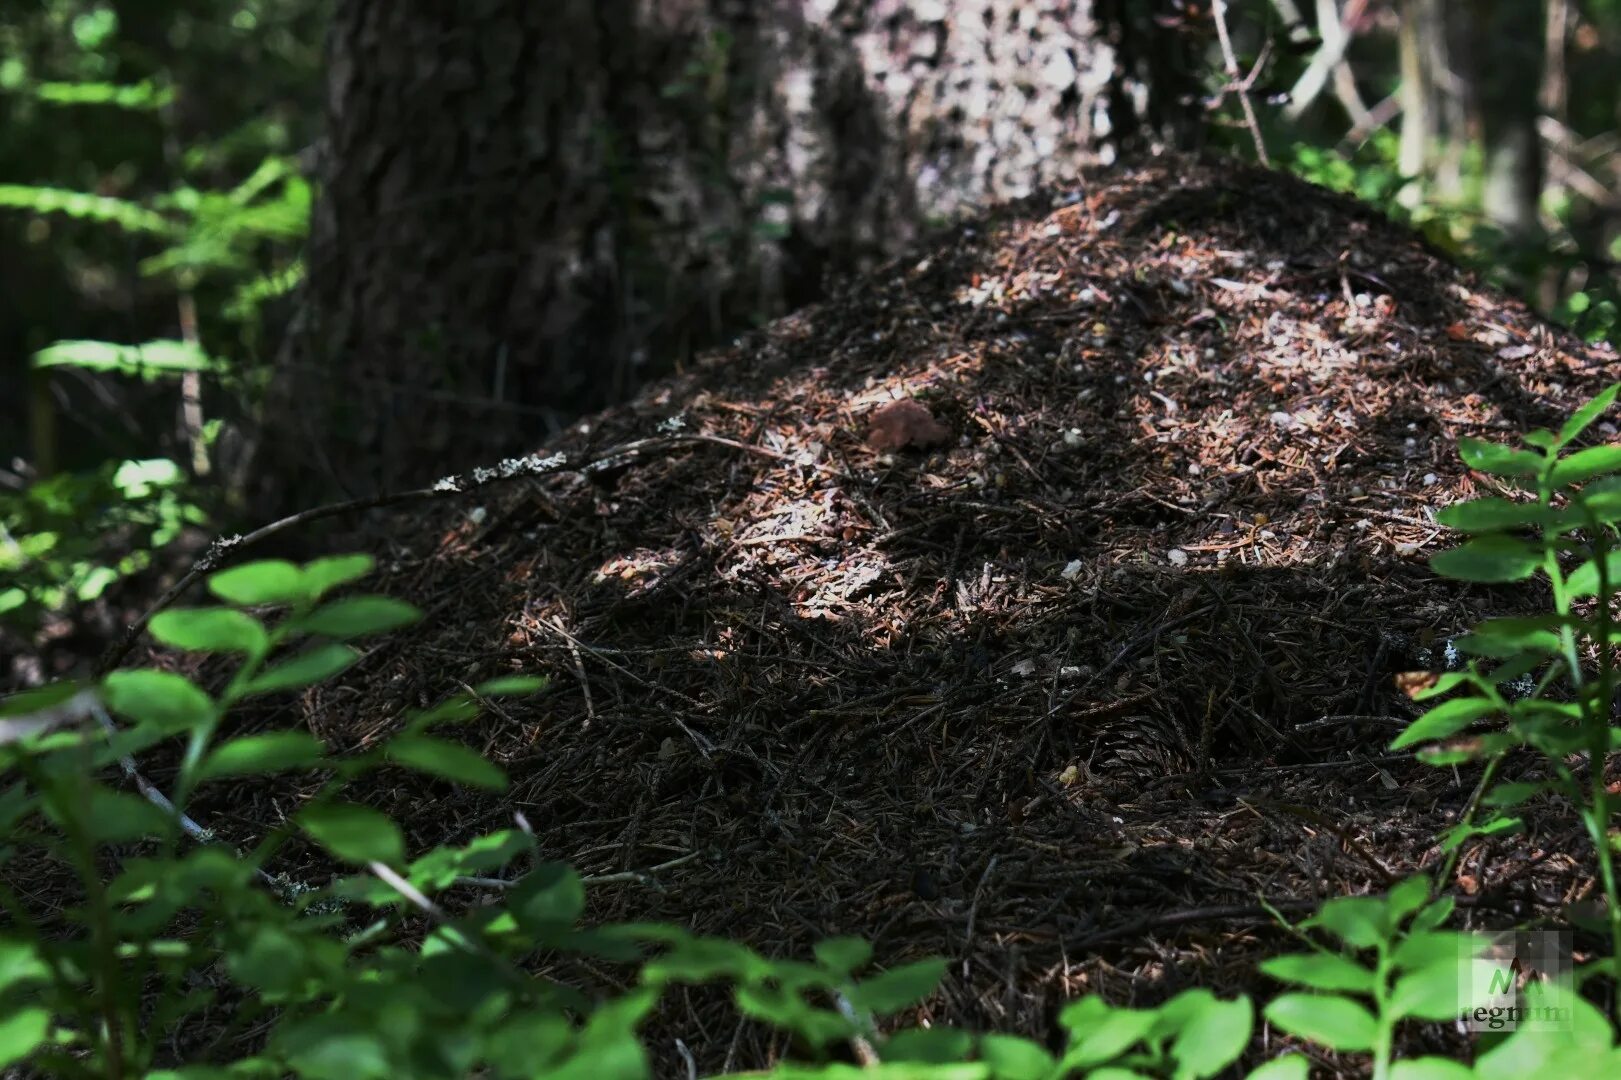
(528, 207)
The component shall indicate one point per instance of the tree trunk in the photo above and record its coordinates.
(529, 207)
(1508, 39)
(1420, 28)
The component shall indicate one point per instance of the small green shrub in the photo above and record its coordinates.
(49, 559)
(1563, 531)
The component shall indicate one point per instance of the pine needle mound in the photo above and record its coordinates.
(1057, 695)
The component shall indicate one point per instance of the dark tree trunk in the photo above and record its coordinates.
(529, 207)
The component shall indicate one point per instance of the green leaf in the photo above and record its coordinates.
(269, 581)
(1405, 898)
(269, 959)
(1577, 1047)
(1433, 915)
(323, 575)
(436, 869)
(455, 709)
(129, 216)
(1586, 464)
(21, 1033)
(1493, 559)
(356, 616)
(258, 755)
(1499, 825)
(1426, 946)
(843, 955)
(1430, 993)
(163, 699)
(1507, 643)
(1320, 971)
(462, 981)
(1447, 718)
(512, 686)
(1100, 1033)
(1287, 1067)
(216, 629)
(1584, 416)
(1359, 921)
(1506, 796)
(1212, 1032)
(1444, 683)
(928, 1046)
(1584, 580)
(307, 668)
(548, 900)
(354, 833)
(1013, 1058)
(144, 95)
(19, 963)
(149, 361)
(699, 960)
(1499, 460)
(1334, 1022)
(1491, 515)
(439, 757)
(334, 1048)
(897, 988)
(525, 1044)
(783, 1007)
(1601, 500)
(116, 816)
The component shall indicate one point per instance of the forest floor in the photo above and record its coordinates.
(1062, 698)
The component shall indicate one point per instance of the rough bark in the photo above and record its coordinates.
(529, 206)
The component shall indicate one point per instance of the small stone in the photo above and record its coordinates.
(1069, 776)
(1072, 570)
(1177, 557)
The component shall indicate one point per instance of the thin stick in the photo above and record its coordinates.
(511, 469)
(1219, 10)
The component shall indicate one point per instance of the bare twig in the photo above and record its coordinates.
(1234, 76)
(511, 469)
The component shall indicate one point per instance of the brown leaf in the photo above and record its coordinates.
(1414, 682)
(904, 423)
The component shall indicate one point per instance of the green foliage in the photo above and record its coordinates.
(1563, 532)
(49, 558)
(151, 189)
(152, 360)
(1371, 173)
(1390, 962)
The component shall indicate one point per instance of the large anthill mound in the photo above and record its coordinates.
(1058, 696)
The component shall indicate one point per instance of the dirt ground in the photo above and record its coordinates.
(1060, 697)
